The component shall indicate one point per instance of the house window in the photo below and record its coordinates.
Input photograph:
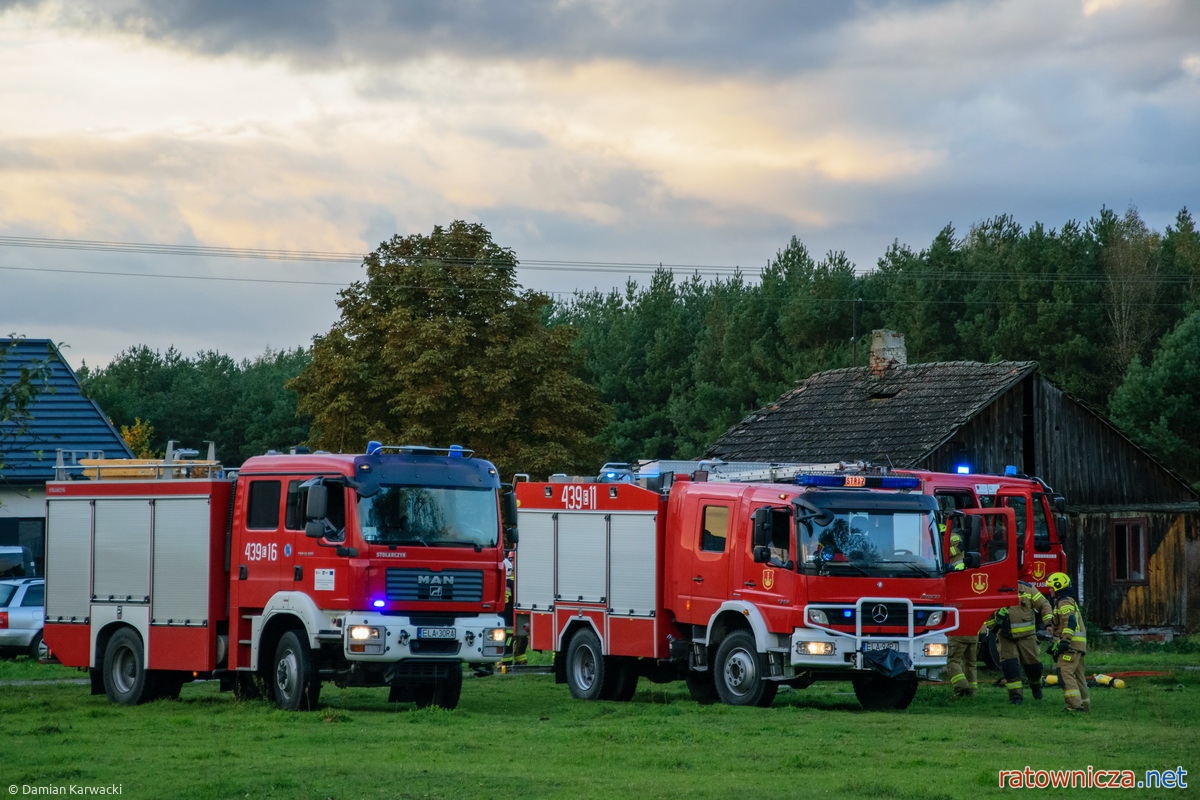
(1129, 551)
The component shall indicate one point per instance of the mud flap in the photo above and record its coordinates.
(889, 663)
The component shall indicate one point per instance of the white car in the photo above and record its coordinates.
(22, 612)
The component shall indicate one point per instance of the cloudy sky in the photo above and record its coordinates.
(594, 137)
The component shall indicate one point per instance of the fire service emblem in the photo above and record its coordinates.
(768, 578)
(979, 582)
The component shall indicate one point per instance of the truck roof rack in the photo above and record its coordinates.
(179, 463)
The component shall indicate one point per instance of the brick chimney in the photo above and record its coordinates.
(887, 351)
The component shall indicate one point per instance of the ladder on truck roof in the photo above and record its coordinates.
(178, 463)
(752, 471)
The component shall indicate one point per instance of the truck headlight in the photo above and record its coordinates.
(364, 633)
(496, 635)
(817, 616)
(814, 648)
(935, 618)
(936, 650)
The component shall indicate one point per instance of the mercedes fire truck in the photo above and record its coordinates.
(736, 583)
(378, 569)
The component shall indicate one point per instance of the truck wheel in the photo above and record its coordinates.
(125, 679)
(879, 693)
(588, 676)
(296, 685)
(37, 648)
(739, 678)
(701, 687)
(624, 678)
(989, 650)
(442, 692)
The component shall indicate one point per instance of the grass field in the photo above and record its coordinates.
(521, 736)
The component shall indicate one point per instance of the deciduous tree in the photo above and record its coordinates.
(437, 346)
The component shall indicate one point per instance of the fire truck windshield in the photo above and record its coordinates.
(872, 542)
(439, 516)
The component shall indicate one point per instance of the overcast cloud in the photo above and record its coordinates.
(690, 133)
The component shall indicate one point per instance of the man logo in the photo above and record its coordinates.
(979, 582)
(768, 578)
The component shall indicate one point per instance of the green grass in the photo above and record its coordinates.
(521, 736)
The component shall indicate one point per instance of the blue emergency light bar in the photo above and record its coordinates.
(860, 481)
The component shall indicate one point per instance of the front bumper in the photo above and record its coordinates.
(377, 638)
(823, 647)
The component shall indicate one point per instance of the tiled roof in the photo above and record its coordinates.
(850, 414)
(60, 417)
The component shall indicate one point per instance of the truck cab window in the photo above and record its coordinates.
(297, 502)
(781, 538)
(1041, 527)
(262, 513)
(715, 529)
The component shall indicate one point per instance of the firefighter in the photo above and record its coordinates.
(1069, 645)
(1016, 637)
(962, 666)
(957, 556)
(514, 646)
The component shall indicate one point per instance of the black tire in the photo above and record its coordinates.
(880, 693)
(166, 684)
(126, 681)
(294, 680)
(443, 692)
(37, 648)
(248, 686)
(624, 678)
(701, 687)
(989, 649)
(588, 676)
(740, 675)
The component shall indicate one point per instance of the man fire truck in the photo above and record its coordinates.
(1039, 516)
(379, 569)
(735, 583)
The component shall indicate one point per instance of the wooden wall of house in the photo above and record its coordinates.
(1163, 601)
(988, 442)
(1091, 462)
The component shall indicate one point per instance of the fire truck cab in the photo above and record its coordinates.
(737, 585)
(377, 569)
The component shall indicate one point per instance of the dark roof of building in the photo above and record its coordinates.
(897, 418)
(60, 417)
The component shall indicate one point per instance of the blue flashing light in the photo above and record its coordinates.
(899, 482)
(374, 448)
(963, 469)
(456, 451)
(821, 480)
(1010, 471)
(861, 481)
(847, 613)
(379, 603)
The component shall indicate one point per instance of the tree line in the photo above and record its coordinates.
(439, 344)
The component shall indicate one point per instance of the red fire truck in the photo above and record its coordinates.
(736, 584)
(378, 569)
(1039, 521)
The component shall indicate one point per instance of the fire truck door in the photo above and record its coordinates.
(258, 555)
(770, 584)
(708, 535)
(979, 591)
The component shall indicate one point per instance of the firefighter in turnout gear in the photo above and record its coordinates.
(514, 646)
(1016, 638)
(962, 665)
(1069, 645)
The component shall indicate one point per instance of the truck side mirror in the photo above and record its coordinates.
(971, 560)
(762, 528)
(1060, 524)
(508, 516)
(317, 506)
(314, 529)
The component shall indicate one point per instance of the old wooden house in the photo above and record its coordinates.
(1134, 536)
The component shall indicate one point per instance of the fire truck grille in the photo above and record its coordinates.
(886, 615)
(458, 585)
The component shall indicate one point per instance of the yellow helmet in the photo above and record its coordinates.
(956, 548)
(1058, 581)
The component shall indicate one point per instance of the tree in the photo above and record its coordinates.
(1156, 403)
(437, 346)
(243, 406)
